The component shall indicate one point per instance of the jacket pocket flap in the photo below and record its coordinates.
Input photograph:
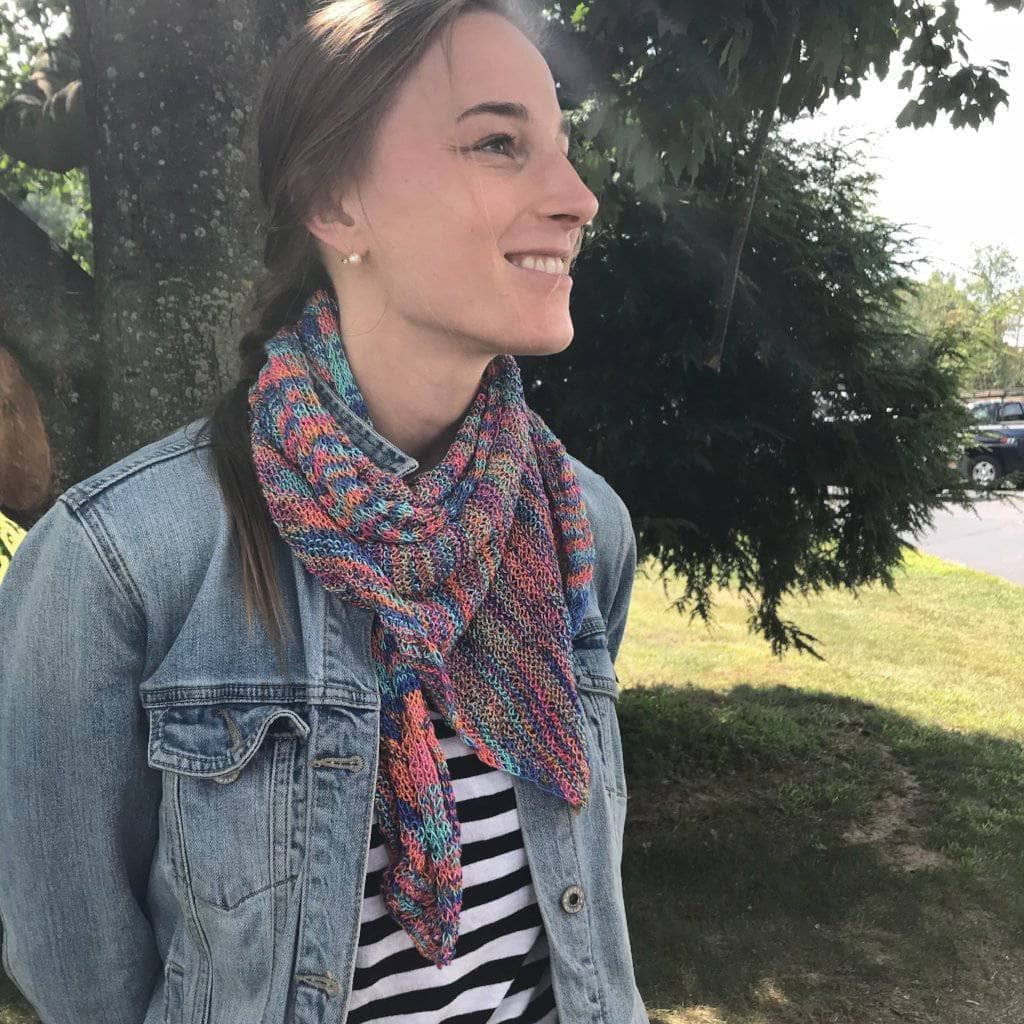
(207, 740)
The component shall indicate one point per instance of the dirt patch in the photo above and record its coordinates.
(891, 826)
(691, 1015)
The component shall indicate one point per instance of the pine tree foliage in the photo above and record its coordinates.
(827, 436)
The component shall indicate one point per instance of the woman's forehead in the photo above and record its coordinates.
(488, 59)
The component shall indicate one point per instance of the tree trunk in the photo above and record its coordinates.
(170, 90)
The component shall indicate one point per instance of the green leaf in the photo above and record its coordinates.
(581, 12)
(647, 167)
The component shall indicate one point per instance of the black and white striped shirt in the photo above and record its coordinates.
(500, 972)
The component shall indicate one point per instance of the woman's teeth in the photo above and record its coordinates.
(547, 264)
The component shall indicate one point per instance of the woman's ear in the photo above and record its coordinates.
(334, 226)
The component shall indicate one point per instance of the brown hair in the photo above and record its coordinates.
(323, 98)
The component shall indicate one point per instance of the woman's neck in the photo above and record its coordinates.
(418, 385)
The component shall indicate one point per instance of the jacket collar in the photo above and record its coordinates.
(387, 456)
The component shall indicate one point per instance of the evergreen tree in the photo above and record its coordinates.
(828, 432)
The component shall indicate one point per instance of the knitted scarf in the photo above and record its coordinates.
(477, 573)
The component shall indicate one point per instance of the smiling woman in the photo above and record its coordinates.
(444, 214)
(398, 794)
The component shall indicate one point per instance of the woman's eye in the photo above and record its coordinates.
(497, 140)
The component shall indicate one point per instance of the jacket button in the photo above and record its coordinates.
(572, 899)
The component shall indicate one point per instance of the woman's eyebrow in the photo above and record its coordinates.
(508, 108)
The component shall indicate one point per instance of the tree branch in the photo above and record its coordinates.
(46, 321)
(727, 292)
(44, 125)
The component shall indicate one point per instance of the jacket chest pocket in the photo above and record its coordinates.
(598, 688)
(233, 793)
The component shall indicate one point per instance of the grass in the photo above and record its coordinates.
(829, 841)
(838, 841)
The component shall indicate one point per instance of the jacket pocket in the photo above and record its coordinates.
(233, 785)
(597, 683)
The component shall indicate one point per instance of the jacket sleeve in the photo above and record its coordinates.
(78, 802)
(623, 570)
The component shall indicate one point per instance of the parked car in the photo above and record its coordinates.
(992, 453)
(997, 410)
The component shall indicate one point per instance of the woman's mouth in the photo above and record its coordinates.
(542, 266)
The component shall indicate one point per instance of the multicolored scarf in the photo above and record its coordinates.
(478, 574)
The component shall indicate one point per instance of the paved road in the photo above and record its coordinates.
(990, 538)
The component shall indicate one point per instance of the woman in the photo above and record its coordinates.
(397, 792)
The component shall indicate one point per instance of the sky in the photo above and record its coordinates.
(954, 188)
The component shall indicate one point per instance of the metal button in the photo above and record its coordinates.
(573, 899)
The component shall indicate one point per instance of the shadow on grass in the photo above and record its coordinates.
(795, 856)
(14, 1009)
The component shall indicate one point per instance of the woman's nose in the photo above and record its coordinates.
(571, 198)
(591, 205)
(584, 198)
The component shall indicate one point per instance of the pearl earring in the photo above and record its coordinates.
(353, 258)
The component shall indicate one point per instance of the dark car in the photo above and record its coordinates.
(993, 453)
(997, 410)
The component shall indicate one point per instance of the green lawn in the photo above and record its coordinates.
(829, 841)
(837, 841)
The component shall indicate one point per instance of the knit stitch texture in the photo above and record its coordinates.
(477, 572)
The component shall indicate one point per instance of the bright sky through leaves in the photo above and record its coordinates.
(955, 188)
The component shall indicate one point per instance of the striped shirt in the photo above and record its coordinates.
(500, 972)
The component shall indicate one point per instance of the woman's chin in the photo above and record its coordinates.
(546, 341)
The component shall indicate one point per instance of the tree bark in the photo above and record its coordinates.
(170, 90)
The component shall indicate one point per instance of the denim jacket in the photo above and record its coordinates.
(183, 828)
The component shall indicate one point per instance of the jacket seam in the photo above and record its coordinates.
(108, 555)
(80, 495)
(624, 545)
(613, 570)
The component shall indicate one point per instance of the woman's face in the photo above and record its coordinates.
(451, 192)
